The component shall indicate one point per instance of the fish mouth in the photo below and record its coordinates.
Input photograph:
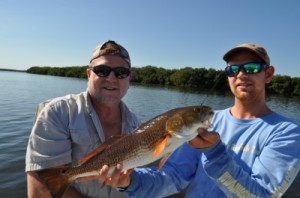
(187, 136)
(209, 120)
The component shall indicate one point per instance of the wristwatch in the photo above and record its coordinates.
(121, 189)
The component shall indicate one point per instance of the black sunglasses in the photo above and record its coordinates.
(104, 71)
(248, 68)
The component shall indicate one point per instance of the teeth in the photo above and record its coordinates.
(109, 88)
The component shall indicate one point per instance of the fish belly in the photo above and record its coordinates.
(145, 157)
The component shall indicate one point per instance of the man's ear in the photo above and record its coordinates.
(88, 73)
(269, 74)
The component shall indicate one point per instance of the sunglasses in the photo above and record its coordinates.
(248, 68)
(104, 71)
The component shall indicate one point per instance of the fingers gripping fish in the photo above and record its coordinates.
(155, 139)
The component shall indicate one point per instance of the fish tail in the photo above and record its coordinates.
(56, 180)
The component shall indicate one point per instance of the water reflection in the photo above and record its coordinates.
(21, 92)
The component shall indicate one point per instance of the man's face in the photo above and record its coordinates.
(248, 86)
(107, 90)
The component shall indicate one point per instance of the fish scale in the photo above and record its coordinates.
(135, 142)
(154, 139)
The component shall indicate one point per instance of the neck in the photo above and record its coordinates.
(104, 110)
(243, 110)
(110, 118)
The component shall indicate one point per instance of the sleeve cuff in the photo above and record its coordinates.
(213, 151)
(134, 182)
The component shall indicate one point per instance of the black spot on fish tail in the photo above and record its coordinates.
(56, 180)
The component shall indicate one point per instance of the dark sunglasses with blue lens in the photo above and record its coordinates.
(248, 68)
(104, 71)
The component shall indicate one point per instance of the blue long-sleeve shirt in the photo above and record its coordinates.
(254, 158)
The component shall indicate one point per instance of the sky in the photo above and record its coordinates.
(162, 33)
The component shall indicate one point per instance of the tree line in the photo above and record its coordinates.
(187, 77)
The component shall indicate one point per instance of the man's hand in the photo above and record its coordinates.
(118, 177)
(204, 139)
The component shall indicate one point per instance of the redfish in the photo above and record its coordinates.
(152, 140)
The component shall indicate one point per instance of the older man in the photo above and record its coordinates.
(69, 127)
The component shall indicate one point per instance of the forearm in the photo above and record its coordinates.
(153, 183)
(35, 187)
(173, 177)
(234, 181)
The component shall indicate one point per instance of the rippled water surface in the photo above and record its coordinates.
(21, 92)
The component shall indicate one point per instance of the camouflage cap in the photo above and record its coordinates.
(111, 48)
(256, 49)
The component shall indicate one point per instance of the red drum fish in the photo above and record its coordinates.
(154, 139)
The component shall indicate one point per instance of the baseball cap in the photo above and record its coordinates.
(111, 48)
(256, 49)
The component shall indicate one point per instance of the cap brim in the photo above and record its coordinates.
(228, 54)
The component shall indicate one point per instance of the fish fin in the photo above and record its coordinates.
(99, 149)
(56, 181)
(113, 139)
(163, 161)
(96, 151)
(160, 147)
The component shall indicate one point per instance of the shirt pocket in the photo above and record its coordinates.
(82, 144)
(81, 137)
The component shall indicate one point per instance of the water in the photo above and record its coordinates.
(21, 92)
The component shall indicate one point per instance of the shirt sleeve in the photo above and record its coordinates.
(272, 172)
(173, 177)
(49, 143)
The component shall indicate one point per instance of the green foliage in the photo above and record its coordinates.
(76, 72)
(187, 77)
(150, 75)
(296, 86)
(281, 85)
(183, 77)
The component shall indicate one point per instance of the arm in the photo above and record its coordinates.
(173, 177)
(48, 146)
(272, 172)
